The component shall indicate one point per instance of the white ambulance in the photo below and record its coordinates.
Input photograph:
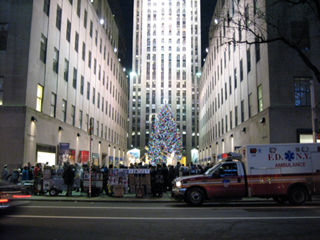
(284, 172)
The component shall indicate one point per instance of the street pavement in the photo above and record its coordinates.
(82, 197)
(127, 197)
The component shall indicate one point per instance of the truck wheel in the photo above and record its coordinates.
(53, 192)
(280, 200)
(298, 196)
(195, 197)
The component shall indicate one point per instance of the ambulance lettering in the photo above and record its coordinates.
(289, 157)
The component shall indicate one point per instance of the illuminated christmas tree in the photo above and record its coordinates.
(165, 138)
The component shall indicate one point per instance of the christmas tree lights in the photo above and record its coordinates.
(165, 139)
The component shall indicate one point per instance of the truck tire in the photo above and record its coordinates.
(195, 197)
(53, 192)
(298, 196)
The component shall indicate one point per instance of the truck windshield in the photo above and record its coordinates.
(213, 169)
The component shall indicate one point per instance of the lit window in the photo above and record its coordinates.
(39, 98)
(260, 104)
(302, 92)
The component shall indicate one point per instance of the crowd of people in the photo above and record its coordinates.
(161, 174)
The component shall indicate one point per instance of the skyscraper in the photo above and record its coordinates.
(165, 59)
(61, 75)
(256, 85)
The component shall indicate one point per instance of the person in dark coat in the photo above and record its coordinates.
(171, 177)
(165, 174)
(68, 177)
(5, 173)
(176, 170)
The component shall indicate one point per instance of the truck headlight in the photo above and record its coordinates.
(178, 184)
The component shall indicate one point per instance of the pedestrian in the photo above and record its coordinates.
(37, 179)
(171, 177)
(25, 174)
(165, 174)
(30, 169)
(176, 170)
(15, 175)
(206, 168)
(68, 177)
(5, 173)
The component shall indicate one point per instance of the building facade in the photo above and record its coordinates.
(165, 59)
(59, 72)
(255, 89)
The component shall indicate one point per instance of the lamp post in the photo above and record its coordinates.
(313, 113)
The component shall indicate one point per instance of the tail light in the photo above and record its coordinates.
(4, 200)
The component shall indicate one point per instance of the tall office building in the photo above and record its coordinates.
(59, 68)
(255, 89)
(165, 59)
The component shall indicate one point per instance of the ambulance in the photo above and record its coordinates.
(282, 172)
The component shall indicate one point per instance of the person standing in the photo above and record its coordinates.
(37, 178)
(25, 174)
(177, 169)
(30, 169)
(68, 177)
(165, 174)
(5, 172)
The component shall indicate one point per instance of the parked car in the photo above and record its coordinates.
(11, 196)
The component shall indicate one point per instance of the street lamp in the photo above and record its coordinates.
(313, 113)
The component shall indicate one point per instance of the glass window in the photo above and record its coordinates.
(88, 90)
(78, 7)
(82, 85)
(89, 60)
(64, 111)
(43, 48)
(39, 98)
(302, 92)
(250, 105)
(260, 104)
(257, 45)
(3, 35)
(56, 60)
(68, 32)
(235, 78)
(91, 28)
(248, 60)
(53, 105)
(236, 116)
(94, 96)
(1, 90)
(46, 6)
(241, 70)
(80, 119)
(58, 17)
(242, 111)
(66, 70)
(73, 113)
(85, 18)
(74, 82)
(83, 51)
(76, 42)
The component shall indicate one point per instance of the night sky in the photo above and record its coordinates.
(207, 8)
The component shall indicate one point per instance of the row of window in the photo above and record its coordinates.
(4, 28)
(112, 114)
